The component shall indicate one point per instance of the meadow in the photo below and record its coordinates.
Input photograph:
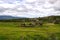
(46, 28)
(12, 31)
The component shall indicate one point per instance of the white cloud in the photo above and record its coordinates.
(30, 1)
(30, 8)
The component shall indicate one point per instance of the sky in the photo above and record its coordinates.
(30, 8)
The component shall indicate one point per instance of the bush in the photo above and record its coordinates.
(56, 21)
(27, 25)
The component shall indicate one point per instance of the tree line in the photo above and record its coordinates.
(35, 21)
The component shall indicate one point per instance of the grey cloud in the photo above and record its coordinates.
(57, 9)
(52, 1)
(57, 5)
(2, 9)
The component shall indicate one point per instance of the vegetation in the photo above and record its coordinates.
(47, 28)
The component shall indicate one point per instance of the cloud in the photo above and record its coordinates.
(30, 8)
(57, 5)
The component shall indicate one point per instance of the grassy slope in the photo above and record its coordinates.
(11, 31)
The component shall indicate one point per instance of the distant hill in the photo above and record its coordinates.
(22, 19)
(50, 19)
(5, 17)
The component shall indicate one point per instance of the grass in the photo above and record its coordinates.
(11, 31)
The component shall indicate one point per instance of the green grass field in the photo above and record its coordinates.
(11, 31)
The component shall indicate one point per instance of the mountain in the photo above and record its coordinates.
(5, 17)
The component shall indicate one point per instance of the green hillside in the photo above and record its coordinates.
(46, 28)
